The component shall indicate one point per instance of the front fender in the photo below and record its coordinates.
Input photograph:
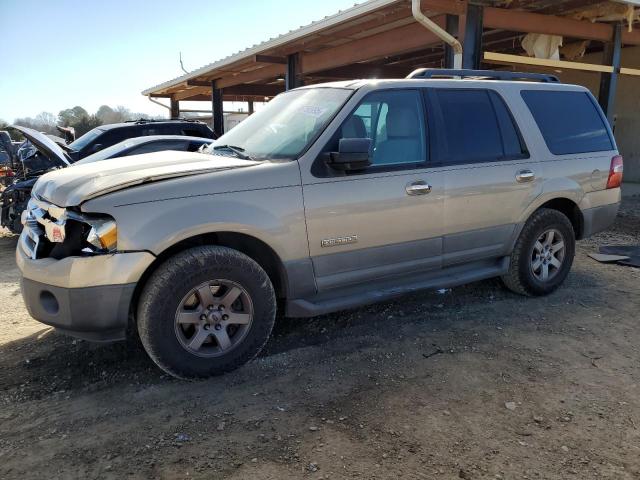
(274, 216)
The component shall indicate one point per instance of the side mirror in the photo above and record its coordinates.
(96, 148)
(352, 154)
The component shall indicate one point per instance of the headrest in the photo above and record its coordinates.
(402, 122)
(354, 128)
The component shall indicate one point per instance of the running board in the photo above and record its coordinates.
(390, 288)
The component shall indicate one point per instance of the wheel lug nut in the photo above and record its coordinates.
(218, 326)
(221, 308)
(203, 317)
(225, 317)
(210, 307)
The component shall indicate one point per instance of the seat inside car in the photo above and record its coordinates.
(354, 128)
(403, 142)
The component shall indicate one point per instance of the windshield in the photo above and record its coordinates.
(286, 126)
(85, 139)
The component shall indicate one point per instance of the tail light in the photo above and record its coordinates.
(615, 172)
(6, 172)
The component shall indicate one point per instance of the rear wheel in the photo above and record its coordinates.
(543, 254)
(206, 311)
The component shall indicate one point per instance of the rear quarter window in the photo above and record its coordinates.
(570, 122)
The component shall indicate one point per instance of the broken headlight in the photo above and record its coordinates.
(103, 235)
(70, 232)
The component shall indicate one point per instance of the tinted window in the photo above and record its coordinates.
(477, 127)
(512, 141)
(394, 121)
(570, 122)
(196, 132)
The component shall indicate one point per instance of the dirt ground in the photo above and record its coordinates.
(474, 383)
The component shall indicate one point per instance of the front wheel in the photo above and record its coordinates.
(206, 311)
(543, 254)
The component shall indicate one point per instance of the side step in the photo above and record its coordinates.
(390, 288)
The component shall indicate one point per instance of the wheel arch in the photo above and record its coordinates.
(251, 246)
(570, 209)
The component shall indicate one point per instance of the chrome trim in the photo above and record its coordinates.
(524, 176)
(418, 188)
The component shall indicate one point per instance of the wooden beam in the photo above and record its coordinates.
(263, 73)
(270, 59)
(506, 59)
(520, 21)
(451, 7)
(198, 83)
(255, 90)
(364, 70)
(630, 71)
(410, 37)
(192, 92)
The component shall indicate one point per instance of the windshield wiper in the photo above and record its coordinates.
(239, 151)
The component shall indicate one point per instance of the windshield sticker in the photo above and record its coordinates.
(313, 111)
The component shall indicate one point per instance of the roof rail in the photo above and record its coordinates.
(153, 120)
(482, 75)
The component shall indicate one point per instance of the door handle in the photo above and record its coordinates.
(418, 188)
(524, 176)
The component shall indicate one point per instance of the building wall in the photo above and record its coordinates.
(627, 106)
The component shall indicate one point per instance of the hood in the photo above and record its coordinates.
(72, 186)
(46, 146)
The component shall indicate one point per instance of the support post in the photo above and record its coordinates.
(609, 81)
(216, 109)
(451, 25)
(472, 49)
(250, 105)
(175, 109)
(293, 78)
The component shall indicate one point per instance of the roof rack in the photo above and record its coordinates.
(153, 120)
(482, 75)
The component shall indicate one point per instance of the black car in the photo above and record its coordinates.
(106, 135)
(41, 154)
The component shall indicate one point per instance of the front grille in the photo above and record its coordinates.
(34, 219)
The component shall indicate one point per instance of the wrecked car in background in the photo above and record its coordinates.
(36, 156)
(42, 153)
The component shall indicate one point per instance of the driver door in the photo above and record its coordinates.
(385, 221)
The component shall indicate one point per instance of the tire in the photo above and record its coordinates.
(526, 273)
(172, 308)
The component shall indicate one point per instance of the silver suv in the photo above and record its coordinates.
(332, 196)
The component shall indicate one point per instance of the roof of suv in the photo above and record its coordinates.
(143, 121)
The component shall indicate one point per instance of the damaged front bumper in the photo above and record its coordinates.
(85, 296)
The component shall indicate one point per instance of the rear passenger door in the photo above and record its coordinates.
(489, 177)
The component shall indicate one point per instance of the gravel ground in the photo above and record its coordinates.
(475, 383)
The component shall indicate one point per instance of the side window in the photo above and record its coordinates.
(151, 147)
(513, 144)
(570, 122)
(113, 136)
(395, 122)
(477, 127)
(194, 132)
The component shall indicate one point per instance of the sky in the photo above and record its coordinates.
(63, 53)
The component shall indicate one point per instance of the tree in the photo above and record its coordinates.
(72, 116)
(43, 122)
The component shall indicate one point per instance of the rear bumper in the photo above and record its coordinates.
(600, 218)
(87, 297)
